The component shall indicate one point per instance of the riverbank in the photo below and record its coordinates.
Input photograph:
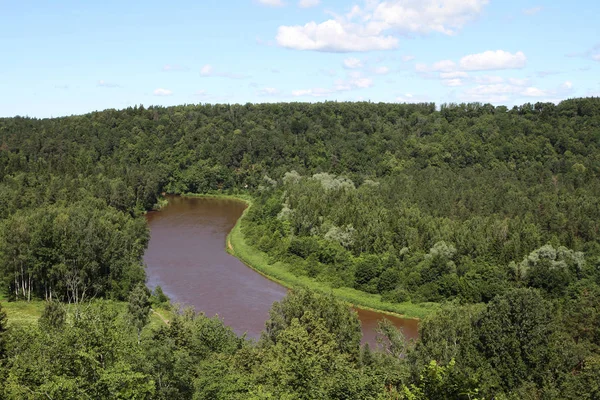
(237, 246)
(20, 313)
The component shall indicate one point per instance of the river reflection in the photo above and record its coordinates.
(186, 256)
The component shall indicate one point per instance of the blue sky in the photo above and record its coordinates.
(71, 57)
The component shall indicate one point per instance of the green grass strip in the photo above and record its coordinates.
(237, 246)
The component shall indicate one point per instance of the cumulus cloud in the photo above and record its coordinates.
(371, 27)
(353, 63)
(518, 82)
(407, 58)
(534, 92)
(209, 71)
(268, 91)
(493, 60)
(206, 70)
(412, 98)
(488, 79)
(272, 3)
(381, 70)
(308, 3)
(503, 92)
(317, 92)
(162, 92)
(453, 75)
(354, 80)
(452, 82)
(425, 16)
(331, 36)
(486, 61)
(532, 11)
(444, 65)
(567, 85)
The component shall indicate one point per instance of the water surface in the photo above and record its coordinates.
(186, 256)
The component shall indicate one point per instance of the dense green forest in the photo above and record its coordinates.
(494, 212)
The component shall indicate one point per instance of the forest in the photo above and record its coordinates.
(491, 212)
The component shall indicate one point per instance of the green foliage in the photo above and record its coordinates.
(159, 298)
(380, 203)
(3, 329)
(138, 307)
(440, 383)
(54, 316)
(71, 253)
(340, 321)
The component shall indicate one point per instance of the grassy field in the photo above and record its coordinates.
(24, 313)
(279, 272)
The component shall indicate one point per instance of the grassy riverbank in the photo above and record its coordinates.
(22, 312)
(279, 272)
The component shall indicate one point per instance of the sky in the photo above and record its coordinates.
(72, 57)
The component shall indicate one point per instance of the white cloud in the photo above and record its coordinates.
(420, 67)
(493, 60)
(444, 65)
(331, 36)
(408, 58)
(368, 28)
(412, 98)
(532, 11)
(502, 92)
(308, 3)
(206, 70)
(534, 92)
(209, 71)
(425, 16)
(268, 91)
(103, 83)
(513, 90)
(405, 99)
(353, 63)
(318, 92)
(596, 57)
(452, 82)
(453, 75)
(162, 92)
(272, 3)
(488, 79)
(381, 70)
(518, 82)
(354, 80)
(567, 85)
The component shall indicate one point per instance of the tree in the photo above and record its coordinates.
(521, 340)
(441, 383)
(138, 308)
(3, 329)
(340, 321)
(53, 316)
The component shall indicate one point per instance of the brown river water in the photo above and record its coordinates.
(186, 256)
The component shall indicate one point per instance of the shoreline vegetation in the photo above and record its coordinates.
(22, 312)
(278, 272)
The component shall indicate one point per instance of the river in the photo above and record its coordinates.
(186, 256)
